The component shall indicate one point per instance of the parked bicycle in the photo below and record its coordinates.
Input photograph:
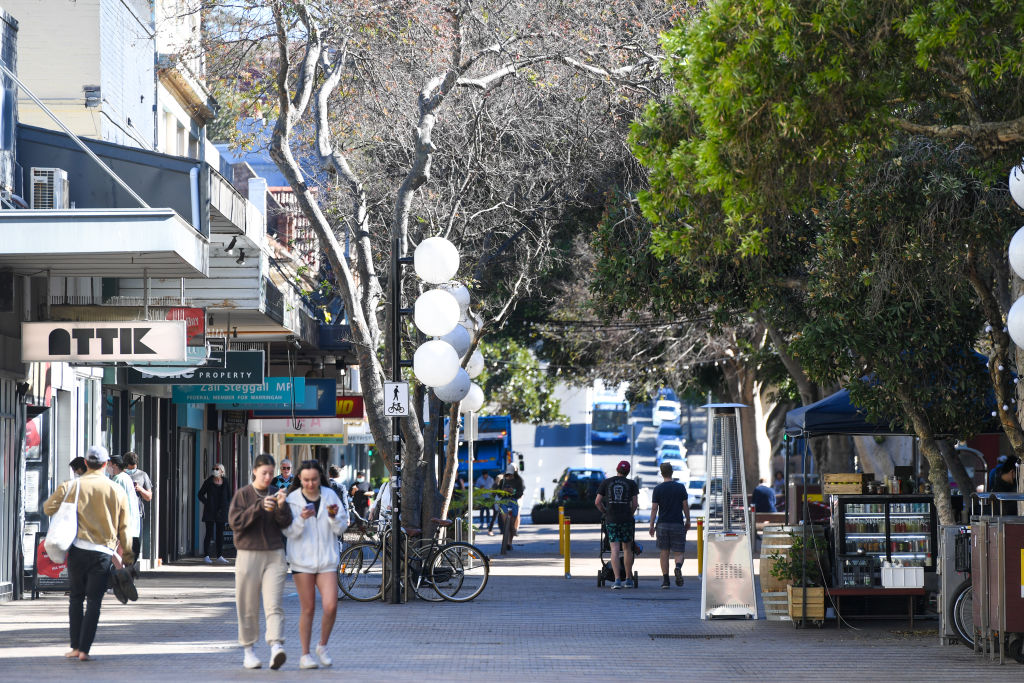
(961, 600)
(437, 570)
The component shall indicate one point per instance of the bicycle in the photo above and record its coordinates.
(507, 513)
(454, 571)
(961, 601)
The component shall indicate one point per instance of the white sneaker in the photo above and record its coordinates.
(251, 661)
(207, 560)
(321, 654)
(277, 656)
(308, 662)
(221, 560)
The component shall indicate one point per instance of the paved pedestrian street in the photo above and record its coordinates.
(530, 624)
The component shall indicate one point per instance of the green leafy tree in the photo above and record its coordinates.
(516, 384)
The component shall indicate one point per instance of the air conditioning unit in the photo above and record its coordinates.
(49, 188)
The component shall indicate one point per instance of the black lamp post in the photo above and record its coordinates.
(396, 426)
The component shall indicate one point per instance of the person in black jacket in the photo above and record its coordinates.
(215, 495)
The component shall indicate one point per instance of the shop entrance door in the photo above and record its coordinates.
(184, 492)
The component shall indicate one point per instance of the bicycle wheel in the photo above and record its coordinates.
(361, 572)
(459, 571)
(961, 609)
(420, 575)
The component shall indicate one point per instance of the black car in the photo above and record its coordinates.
(578, 484)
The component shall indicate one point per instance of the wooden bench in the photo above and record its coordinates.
(837, 594)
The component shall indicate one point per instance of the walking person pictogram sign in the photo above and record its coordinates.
(396, 399)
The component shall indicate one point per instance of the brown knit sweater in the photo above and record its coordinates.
(255, 528)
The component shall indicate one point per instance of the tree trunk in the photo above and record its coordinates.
(937, 473)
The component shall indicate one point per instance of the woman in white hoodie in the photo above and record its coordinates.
(318, 519)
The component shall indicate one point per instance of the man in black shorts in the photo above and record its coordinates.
(669, 506)
(617, 499)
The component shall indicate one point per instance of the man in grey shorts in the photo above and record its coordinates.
(671, 511)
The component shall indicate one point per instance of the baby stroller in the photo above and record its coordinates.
(606, 573)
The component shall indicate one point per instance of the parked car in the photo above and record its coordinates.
(665, 411)
(669, 431)
(578, 483)
(695, 493)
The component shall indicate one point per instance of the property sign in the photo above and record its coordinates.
(396, 399)
(242, 367)
(104, 342)
(361, 438)
(275, 390)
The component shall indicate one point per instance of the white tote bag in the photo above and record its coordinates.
(63, 528)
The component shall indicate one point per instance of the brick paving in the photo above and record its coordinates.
(529, 624)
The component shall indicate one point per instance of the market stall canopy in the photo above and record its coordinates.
(835, 414)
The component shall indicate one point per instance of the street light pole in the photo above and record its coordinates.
(632, 445)
(396, 422)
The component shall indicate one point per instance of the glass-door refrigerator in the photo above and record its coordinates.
(866, 530)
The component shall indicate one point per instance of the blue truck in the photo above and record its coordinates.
(492, 450)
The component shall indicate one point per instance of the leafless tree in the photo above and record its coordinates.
(484, 122)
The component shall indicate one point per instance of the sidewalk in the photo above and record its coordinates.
(529, 624)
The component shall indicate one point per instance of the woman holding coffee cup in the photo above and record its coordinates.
(257, 516)
(318, 519)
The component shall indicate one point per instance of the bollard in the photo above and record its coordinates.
(567, 523)
(700, 547)
(561, 530)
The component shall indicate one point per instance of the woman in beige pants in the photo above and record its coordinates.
(257, 516)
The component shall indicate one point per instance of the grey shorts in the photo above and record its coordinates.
(671, 537)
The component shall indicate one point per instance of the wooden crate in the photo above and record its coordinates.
(815, 602)
(852, 482)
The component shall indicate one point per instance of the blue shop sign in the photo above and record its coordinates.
(274, 391)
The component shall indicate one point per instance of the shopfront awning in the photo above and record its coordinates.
(102, 243)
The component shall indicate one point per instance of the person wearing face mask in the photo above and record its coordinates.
(257, 515)
(215, 495)
(360, 494)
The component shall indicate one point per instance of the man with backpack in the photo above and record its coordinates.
(617, 500)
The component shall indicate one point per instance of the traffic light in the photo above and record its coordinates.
(369, 451)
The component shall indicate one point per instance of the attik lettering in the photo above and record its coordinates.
(111, 341)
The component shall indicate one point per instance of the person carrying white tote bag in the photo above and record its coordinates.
(63, 528)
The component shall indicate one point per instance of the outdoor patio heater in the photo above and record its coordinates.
(727, 591)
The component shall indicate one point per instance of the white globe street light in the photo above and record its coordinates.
(1017, 184)
(456, 390)
(1016, 253)
(459, 339)
(436, 260)
(461, 294)
(475, 365)
(473, 401)
(435, 363)
(436, 312)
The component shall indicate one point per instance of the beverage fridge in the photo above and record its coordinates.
(867, 530)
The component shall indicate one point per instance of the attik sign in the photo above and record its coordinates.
(104, 342)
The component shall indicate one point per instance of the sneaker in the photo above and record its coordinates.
(207, 560)
(321, 654)
(617, 585)
(251, 661)
(491, 532)
(629, 583)
(308, 662)
(277, 656)
(679, 576)
(664, 582)
(221, 560)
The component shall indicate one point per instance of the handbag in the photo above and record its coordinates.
(63, 528)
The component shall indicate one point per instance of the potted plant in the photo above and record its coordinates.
(801, 568)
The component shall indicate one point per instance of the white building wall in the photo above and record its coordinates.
(58, 54)
(127, 75)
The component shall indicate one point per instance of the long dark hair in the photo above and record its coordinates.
(261, 460)
(308, 465)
